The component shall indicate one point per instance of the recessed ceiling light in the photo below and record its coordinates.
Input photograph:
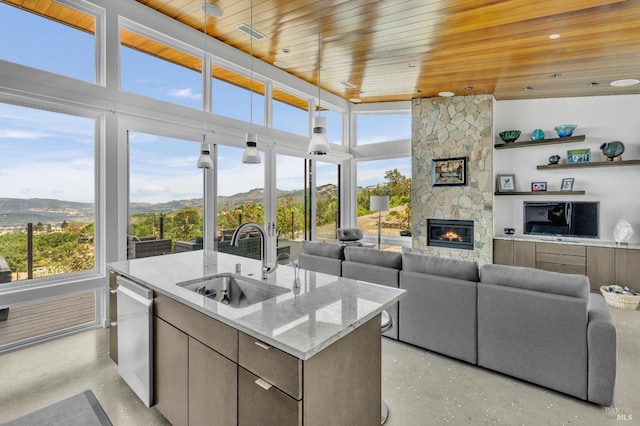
(355, 100)
(625, 82)
(554, 36)
(527, 89)
(211, 10)
(555, 75)
(446, 94)
(281, 64)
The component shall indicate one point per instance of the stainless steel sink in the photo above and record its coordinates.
(233, 290)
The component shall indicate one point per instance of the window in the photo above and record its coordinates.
(290, 113)
(65, 46)
(232, 97)
(385, 177)
(241, 191)
(165, 196)
(152, 69)
(291, 205)
(334, 126)
(375, 128)
(327, 200)
(47, 192)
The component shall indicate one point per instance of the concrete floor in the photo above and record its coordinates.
(420, 387)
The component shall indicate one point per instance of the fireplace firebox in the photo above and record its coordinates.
(450, 233)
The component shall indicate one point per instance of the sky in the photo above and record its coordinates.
(162, 169)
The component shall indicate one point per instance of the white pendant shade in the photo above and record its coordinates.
(379, 203)
(251, 154)
(319, 144)
(205, 161)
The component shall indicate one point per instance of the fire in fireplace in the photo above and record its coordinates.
(450, 233)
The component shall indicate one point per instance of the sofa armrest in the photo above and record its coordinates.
(601, 340)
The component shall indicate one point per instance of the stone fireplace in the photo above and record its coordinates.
(450, 233)
(459, 126)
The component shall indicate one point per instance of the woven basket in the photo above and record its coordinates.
(622, 301)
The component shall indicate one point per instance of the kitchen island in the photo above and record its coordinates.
(310, 355)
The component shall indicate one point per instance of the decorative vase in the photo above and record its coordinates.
(554, 159)
(612, 149)
(622, 232)
(537, 135)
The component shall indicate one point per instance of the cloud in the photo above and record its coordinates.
(22, 134)
(184, 93)
(152, 189)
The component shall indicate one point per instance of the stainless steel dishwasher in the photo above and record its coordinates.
(135, 338)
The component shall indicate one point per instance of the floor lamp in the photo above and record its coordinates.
(379, 203)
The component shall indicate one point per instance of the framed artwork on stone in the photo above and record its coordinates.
(449, 171)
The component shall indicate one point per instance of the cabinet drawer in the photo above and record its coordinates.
(568, 249)
(273, 365)
(565, 269)
(259, 406)
(211, 332)
(561, 259)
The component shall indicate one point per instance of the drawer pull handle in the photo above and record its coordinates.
(113, 323)
(113, 291)
(263, 384)
(263, 345)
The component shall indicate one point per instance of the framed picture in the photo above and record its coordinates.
(567, 184)
(538, 186)
(578, 156)
(449, 171)
(506, 183)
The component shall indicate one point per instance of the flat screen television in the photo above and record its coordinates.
(562, 218)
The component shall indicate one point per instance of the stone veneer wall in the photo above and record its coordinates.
(460, 126)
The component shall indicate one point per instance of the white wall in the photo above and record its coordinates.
(600, 119)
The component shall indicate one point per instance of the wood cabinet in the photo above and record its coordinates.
(603, 265)
(514, 253)
(171, 372)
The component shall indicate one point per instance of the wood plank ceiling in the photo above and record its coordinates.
(394, 50)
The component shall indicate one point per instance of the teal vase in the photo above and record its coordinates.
(537, 135)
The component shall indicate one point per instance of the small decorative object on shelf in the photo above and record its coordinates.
(565, 130)
(510, 136)
(622, 232)
(554, 159)
(538, 186)
(567, 184)
(612, 151)
(506, 183)
(578, 155)
(537, 135)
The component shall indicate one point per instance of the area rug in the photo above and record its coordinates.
(82, 409)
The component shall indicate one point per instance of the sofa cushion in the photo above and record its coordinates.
(442, 266)
(536, 280)
(372, 256)
(318, 248)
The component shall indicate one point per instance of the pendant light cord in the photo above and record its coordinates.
(204, 73)
(251, 68)
(319, 64)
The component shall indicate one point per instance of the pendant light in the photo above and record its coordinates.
(205, 161)
(251, 154)
(319, 144)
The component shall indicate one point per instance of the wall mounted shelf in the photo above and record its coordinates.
(553, 141)
(590, 164)
(541, 193)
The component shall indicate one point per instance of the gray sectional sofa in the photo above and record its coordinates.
(542, 327)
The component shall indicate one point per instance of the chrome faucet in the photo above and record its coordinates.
(235, 240)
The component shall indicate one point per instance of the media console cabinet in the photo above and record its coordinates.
(604, 263)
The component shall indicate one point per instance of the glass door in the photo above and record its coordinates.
(292, 198)
(326, 201)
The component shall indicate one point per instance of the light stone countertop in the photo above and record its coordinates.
(327, 308)
(568, 240)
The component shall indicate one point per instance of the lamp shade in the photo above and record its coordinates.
(205, 161)
(251, 154)
(379, 203)
(319, 144)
